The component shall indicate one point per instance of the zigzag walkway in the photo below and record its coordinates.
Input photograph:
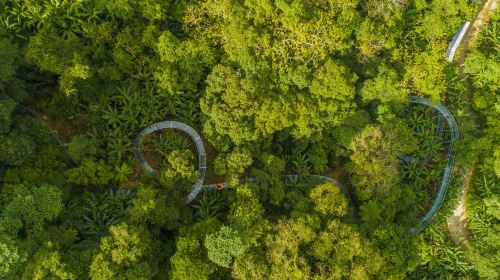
(438, 201)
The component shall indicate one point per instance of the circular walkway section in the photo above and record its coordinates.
(202, 156)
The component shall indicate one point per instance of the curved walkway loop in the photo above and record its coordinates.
(445, 181)
(202, 156)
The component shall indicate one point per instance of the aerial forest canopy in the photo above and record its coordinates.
(318, 166)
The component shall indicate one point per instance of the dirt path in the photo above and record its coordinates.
(457, 222)
(481, 17)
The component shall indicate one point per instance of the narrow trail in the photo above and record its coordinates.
(481, 17)
(457, 222)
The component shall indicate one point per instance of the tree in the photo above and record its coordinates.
(31, 209)
(7, 106)
(247, 215)
(370, 212)
(374, 161)
(426, 74)
(47, 264)
(180, 167)
(90, 172)
(150, 206)
(385, 86)
(230, 102)
(10, 257)
(82, 145)
(125, 254)
(329, 200)
(190, 261)
(16, 148)
(283, 253)
(338, 248)
(183, 63)
(251, 265)
(223, 245)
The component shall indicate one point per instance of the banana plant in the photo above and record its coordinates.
(431, 146)
(117, 147)
(112, 116)
(102, 210)
(414, 173)
(210, 205)
(299, 162)
(122, 172)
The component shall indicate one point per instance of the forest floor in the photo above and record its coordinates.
(457, 222)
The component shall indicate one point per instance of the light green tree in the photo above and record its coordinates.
(329, 200)
(10, 257)
(223, 246)
(47, 264)
(125, 254)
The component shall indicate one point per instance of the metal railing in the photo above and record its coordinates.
(202, 156)
(445, 181)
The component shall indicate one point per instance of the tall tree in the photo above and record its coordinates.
(125, 254)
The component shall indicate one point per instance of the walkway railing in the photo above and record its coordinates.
(445, 181)
(202, 156)
(438, 201)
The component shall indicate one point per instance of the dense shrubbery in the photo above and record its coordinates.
(483, 68)
(274, 87)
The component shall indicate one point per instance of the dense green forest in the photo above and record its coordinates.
(281, 91)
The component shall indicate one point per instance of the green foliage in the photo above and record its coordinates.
(210, 205)
(440, 258)
(102, 210)
(31, 209)
(16, 148)
(47, 264)
(246, 214)
(7, 106)
(10, 257)
(150, 206)
(183, 63)
(223, 245)
(370, 212)
(81, 146)
(180, 166)
(386, 87)
(329, 200)
(46, 167)
(426, 74)
(125, 254)
(190, 260)
(484, 222)
(90, 172)
(374, 161)
(276, 87)
(284, 256)
(123, 171)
